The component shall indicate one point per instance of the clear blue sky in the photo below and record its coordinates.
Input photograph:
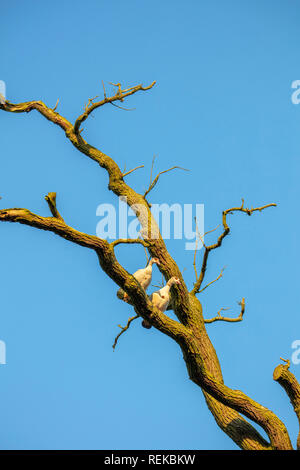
(222, 108)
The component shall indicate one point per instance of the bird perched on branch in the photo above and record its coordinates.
(143, 276)
(161, 298)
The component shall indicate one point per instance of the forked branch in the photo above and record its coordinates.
(219, 317)
(154, 182)
(39, 106)
(52, 224)
(118, 96)
(226, 230)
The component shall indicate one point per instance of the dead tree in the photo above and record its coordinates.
(229, 407)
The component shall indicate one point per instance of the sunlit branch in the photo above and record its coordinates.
(219, 317)
(119, 96)
(290, 384)
(123, 329)
(136, 168)
(51, 201)
(139, 241)
(225, 232)
(154, 182)
(212, 282)
(199, 237)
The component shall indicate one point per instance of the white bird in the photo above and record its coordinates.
(143, 276)
(161, 298)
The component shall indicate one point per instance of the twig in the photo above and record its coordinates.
(56, 105)
(290, 384)
(123, 328)
(145, 243)
(198, 237)
(215, 280)
(225, 232)
(119, 96)
(195, 255)
(146, 254)
(128, 172)
(153, 184)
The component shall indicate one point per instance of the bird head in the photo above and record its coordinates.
(155, 261)
(174, 280)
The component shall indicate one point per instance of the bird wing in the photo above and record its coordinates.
(144, 276)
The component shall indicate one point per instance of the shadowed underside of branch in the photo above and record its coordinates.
(189, 330)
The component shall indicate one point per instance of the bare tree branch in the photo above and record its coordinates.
(52, 224)
(121, 189)
(199, 237)
(119, 96)
(55, 105)
(153, 184)
(39, 106)
(123, 329)
(236, 399)
(122, 107)
(290, 384)
(128, 172)
(140, 241)
(225, 232)
(212, 282)
(51, 200)
(219, 317)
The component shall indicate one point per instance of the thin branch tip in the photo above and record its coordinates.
(287, 362)
(154, 182)
(123, 329)
(226, 231)
(128, 172)
(53, 109)
(120, 95)
(219, 317)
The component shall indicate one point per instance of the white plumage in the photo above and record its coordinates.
(144, 276)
